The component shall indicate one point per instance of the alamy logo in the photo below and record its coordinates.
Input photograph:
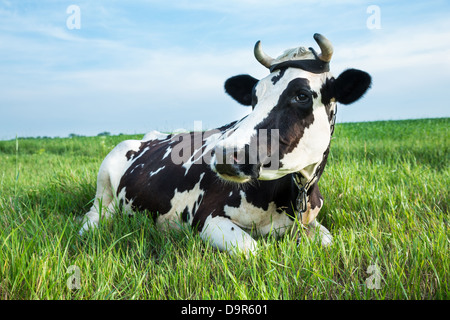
(74, 281)
(374, 20)
(74, 20)
(199, 147)
(374, 281)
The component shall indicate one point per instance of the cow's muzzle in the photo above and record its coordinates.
(235, 165)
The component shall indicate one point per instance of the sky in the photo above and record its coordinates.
(136, 66)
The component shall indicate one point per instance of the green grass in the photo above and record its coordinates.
(386, 204)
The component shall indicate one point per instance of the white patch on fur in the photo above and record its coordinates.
(116, 162)
(155, 172)
(224, 235)
(260, 221)
(168, 151)
(139, 165)
(179, 202)
(311, 146)
(155, 135)
(111, 171)
(245, 129)
(127, 204)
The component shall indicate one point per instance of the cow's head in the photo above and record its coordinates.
(293, 109)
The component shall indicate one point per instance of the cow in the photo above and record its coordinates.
(252, 177)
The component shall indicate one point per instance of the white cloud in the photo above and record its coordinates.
(409, 47)
(410, 68)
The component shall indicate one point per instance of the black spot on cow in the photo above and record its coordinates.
(185, 215)
(130, 154)
(290, 116)
(234, 200)
(277, 78)
(281, 191)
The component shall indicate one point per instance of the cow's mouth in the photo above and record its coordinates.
(235, 179)
(238, 173)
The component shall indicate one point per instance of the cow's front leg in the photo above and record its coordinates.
(313, 228)
(225, 235)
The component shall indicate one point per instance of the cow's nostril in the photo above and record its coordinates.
(231, 157)
(236, 157)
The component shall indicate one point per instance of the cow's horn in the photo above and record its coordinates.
(263, 58)
(325, 46)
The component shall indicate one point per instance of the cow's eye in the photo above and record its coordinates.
(301, 98)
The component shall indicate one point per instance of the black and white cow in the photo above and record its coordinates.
(252, 176)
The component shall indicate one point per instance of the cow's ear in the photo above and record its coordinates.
(351, 85)
(240, 88)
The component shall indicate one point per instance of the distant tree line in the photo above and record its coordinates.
(101, 134)
(71, 135)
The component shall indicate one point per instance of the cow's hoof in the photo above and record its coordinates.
(319, 232)
(327, 238)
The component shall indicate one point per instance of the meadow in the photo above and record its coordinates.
(386, 204)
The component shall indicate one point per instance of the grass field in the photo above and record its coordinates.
(386, 204)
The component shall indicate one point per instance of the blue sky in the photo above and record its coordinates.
(136, 66)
